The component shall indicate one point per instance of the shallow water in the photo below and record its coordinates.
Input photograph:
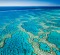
(30, 32)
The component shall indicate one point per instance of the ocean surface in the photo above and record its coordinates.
(29, 30)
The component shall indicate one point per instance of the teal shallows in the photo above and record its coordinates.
(35, 40)
(34, 54)
(1, 31)
(9, 29)
(54, 38)
(42, 35)
(12, 27)
(57, 28)
(45, 30)
(50, 24)
(2, 25)
(25, 18)
(56, 51)
(8, 17)
(56, 23)
(17, 45)
(44, 47)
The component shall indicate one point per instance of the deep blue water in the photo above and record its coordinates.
(28, 7)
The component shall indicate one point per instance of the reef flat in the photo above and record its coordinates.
(30, 32)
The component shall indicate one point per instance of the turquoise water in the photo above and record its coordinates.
(30, 32)
(44, 46)
(42, 35)
(54, 38)
(56, 51)
(17, 45)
